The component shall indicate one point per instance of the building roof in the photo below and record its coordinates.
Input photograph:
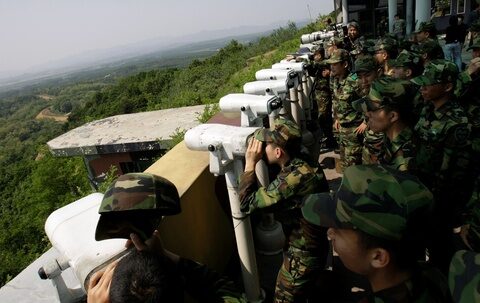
(126, 133)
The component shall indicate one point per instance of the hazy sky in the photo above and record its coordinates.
(34, 32)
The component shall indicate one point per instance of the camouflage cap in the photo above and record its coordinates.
(378, 200)
(135, 202)
(285, 132)
(337, 41)
(404, 59)
(354, 24)
(464, 277)
(365, 64)
(386, 91)
(437, 71)
(426, 27)
(338, 55)
(386, 44)
(475, 44)
(429, 46)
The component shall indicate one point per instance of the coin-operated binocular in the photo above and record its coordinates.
(275, 74)
(253, 108)
(227, 146)
(71, 230)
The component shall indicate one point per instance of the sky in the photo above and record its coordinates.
(35, 32)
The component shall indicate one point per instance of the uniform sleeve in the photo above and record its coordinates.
(279, 189)
(206, 285)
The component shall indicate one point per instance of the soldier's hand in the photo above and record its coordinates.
(463, 234)
(253, 154)
(336, 125)
(99, 285)
(474, 66)
(361, 128)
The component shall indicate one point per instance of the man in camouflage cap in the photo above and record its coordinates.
(307, 249)
(136, 202)
(376, 225)
(470, 101)
(464, 277)
(333, 44)
(443, 156)
(425, 31)
(367, 70)
(429, 50)
(348, 122)
(385, 49)
(406, 66)
(388, 107)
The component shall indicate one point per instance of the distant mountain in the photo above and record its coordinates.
(201, 44)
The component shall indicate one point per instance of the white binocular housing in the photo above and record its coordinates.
(274, 74)
(224, 142)
(270, 87)
(298, 67)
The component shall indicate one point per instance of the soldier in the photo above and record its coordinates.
(347, 121)
(385, 49)
(331, 45)
(131, 208)
(367, 70)
(376, 224)
(308, 246)
(470, 100)
(388, 107)
(442, 161)
(323, 97)
(406, 66)
(425, 31)
(429, 50)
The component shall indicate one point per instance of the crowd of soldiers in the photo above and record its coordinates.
(406, 215)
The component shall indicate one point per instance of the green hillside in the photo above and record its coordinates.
(33, 183)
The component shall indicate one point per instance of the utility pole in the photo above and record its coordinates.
(310, 13)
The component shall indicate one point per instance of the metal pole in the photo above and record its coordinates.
(345, 12)
(295, 106)
(392, 11)
(422, 11)
(243, 236)
(409, 16)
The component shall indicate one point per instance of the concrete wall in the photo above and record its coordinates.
(203, 231)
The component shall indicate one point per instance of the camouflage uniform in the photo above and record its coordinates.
(442, 161)
(323, 99)
(385, 204)
(136, 202)
(344, 92)
(464, 277)
(372, 142)
(308, 246)
(470, 101)
(393, 94)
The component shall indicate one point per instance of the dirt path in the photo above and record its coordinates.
(46, 113)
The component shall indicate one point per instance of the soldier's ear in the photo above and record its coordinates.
(379, 257)
(448, 87)
(393, 116)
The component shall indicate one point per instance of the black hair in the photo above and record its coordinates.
(404, 254)
(145, 277)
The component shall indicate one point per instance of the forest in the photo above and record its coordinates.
(33, 183)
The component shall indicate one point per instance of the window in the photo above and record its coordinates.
(460, 6)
